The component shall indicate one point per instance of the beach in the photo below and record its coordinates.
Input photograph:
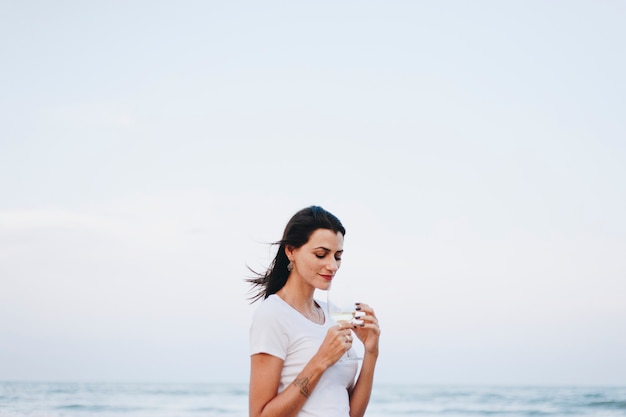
(67, 399)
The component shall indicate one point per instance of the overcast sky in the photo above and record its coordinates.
(475, 152)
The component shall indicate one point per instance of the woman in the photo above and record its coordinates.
(295, 348)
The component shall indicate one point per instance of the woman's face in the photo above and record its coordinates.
(317, 261)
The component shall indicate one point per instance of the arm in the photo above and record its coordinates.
(368, 333)
(264, 379)
(265, 373)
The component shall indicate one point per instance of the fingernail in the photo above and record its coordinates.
(358, 308)
(362, 324)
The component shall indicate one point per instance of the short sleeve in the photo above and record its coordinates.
(267, 333)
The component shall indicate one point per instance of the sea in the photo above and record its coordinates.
(55, 399)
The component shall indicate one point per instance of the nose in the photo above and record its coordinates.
(333, 265)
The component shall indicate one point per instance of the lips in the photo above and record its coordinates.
(327, 277)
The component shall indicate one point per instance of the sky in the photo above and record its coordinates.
(151, 151)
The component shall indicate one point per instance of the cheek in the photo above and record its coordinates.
(316, 265)
(307, 264)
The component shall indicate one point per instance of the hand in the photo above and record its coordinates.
(368, 331)
(338, 341)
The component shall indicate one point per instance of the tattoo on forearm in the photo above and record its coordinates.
(303, 384)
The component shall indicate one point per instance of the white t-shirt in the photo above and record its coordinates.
(280, 330)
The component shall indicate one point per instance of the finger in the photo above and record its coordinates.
(368, 318)
(365, 321)
(341, 325)
(367, 327)
(345, 331)
(365, 308)
(364, 318)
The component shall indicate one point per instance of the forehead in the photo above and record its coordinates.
(327, 239)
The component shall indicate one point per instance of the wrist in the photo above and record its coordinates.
(373, 353)
(320, 364)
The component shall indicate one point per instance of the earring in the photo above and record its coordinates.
(289, 266)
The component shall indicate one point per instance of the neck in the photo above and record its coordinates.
(300, 298)
(297, 297)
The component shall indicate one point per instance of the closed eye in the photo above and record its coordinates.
(326, 252)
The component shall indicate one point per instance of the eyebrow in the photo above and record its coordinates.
(327, 250)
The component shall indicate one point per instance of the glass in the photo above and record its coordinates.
(341, 306)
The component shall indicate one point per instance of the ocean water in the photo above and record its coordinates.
(40, 399)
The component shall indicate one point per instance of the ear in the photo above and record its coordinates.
(289, 251)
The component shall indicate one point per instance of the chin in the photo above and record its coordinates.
(325, 286)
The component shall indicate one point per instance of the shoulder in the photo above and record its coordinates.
(272, 309)
(270, 329)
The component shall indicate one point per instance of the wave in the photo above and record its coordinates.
(98, 408)
(620, 405)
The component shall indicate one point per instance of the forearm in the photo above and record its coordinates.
(360, 395)
(291, 400)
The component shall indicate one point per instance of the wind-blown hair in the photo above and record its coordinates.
(297, 233)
